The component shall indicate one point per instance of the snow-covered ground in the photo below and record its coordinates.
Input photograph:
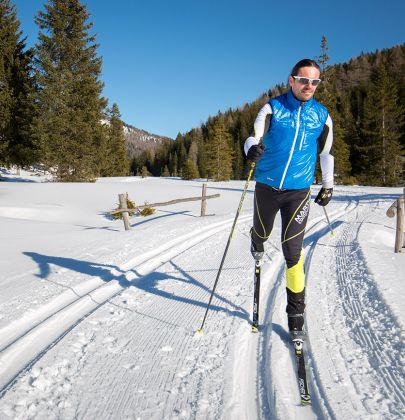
(98, 322)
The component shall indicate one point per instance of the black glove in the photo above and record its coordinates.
(324, 196)
(255, 152)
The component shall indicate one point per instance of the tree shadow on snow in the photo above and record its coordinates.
(102, 271)
(150, 283)
(167, 213)
(146, 219)
(109, 228)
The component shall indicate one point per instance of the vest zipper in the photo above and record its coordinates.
(302, 138)
(292, 147)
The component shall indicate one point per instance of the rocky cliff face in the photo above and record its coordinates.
(138, 140)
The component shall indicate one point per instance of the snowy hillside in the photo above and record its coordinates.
(138, 141)
(100, 323)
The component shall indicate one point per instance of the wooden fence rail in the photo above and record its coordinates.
(126, 211)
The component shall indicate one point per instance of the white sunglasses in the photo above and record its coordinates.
(307, 80)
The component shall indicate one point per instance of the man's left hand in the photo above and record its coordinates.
(324, 196)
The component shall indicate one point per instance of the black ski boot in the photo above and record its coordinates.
(296, 326)
(257, 251)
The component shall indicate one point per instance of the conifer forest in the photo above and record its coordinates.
(53, 114)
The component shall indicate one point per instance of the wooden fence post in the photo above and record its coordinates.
(203, 200)
(399, 236)
(125, 215)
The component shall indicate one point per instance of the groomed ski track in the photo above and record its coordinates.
(123, 343)
(29, 337)
(347, 327)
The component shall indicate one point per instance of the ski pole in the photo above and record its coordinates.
(327, 218)
(252, 167)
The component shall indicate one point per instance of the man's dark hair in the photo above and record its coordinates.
(306, 62)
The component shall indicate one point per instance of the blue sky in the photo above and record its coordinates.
(171, 64)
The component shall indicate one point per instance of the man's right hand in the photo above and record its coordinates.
(255, 152)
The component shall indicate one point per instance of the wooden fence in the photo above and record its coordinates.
(126, 211)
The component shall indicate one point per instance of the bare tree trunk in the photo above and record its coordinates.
(384, 147)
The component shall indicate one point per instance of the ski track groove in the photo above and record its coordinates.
(267, 384)
(266, 378)
(14, 335)
(357, 294)
(367, 316)
(139, 331)
(197, 367)
(102, 253)
(321, 405)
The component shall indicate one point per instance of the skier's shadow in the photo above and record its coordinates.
(150, 283)
(314, 237)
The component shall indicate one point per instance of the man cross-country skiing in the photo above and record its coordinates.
(299, 129)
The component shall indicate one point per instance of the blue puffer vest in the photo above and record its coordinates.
(289, 157)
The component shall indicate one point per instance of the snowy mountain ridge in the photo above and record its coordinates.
(139, 140)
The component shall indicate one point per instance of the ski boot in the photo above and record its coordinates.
(296, 326)
(257, 251)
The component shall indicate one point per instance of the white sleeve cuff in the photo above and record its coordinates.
(250, 141)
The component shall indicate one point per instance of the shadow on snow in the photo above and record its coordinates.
(149, 283)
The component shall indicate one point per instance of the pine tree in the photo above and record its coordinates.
(328, 95)
(219, 152)
(117, 155)
(190, 170)
(166, 171)
(9, 37)
(67, 70)
(175, 166)
(193, 152)
(181, 155)
(144, 172)
(323, 59)
(381, 129)
(238, 160)
(16, 91)
(22, 149)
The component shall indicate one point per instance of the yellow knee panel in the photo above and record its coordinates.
(296, 277)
